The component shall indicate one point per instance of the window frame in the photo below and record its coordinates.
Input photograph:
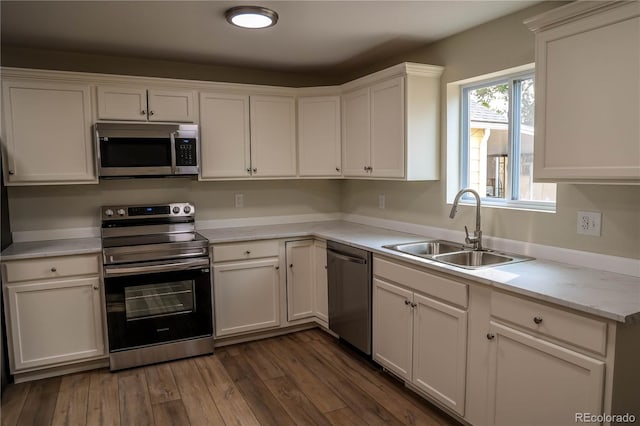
(512, 180)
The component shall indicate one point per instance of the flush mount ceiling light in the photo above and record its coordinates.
(251, 17)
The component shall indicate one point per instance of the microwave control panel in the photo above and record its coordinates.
(186, 154)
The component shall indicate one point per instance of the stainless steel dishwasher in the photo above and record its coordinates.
(349, 274)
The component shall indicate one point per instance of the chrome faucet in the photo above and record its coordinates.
(476, 241)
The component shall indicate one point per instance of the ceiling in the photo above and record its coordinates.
(310, 35)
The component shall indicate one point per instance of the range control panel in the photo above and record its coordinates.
(148, 211)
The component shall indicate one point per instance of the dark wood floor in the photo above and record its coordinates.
(298, 379)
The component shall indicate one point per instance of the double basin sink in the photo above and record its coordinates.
(457, 254)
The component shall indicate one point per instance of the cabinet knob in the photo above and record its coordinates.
(337, 169)
(247, 252)
(150, 112)
(325, 267)
(406, 302)
(413, 305)
(291, 265)
(366, 168)
(249, 170)
(537, 320)
(12, 172)
(53, 269)
(143, 112)
(277, 268)
(96, 287)
(255, 170)
(491, 336)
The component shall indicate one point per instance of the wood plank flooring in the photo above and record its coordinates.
(306, 378)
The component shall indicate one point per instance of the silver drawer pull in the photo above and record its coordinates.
(247, 252)
(537, 320)
(491, 336)
(53, 269)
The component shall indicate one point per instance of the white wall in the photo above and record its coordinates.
(497, 45)
(77, 206)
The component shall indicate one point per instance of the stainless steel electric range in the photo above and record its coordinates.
(157, 284)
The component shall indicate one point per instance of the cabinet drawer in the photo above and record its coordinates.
(434, 285)
(575, 329)
(51, 267)
(247, 250)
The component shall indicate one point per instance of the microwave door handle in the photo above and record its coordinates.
(173, 153)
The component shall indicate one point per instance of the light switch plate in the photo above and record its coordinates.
(589, 223)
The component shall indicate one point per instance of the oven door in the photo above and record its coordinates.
(160, 303)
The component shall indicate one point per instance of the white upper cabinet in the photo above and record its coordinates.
(387, 129)
(243, 136)
(224, 135)
(135, 104)
(273, 136)
(356, 125)
(588, 92)
(47, 133)
(319, 136)
(390, 123)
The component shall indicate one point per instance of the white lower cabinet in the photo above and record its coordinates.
(321, 292)
(54, 313)
(300, 279)
(420, 338)
(53, 322)
(535, 382)
(247, 296)
(392, 327)
(307, 280)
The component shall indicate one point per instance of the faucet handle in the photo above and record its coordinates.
(467, 239)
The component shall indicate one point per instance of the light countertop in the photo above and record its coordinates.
(604, 294)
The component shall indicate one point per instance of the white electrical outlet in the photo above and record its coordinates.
(589, 223)
(239, 200)
(381, 201)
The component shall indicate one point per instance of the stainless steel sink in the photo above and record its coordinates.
(474, 259)
(427, 248)
(457, 254)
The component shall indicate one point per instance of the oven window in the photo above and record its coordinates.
(130, 152)
(151, 300)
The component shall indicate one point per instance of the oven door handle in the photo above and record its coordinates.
(173, 153)
(114, 271)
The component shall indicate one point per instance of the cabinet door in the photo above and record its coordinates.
(440, 351)
(122, 103)
(534, 382)
(588, 98)
(171, 105)
(321, 299)
(319, 136)
(387, 129)
(356, 125)
(52, 322)
(224, 135)
(48, 133)
(300, 274)
(392, 327)
(247, 296)
(273, 136)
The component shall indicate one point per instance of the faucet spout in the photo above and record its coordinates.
(477, 234)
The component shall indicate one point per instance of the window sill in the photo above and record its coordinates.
(513, 205)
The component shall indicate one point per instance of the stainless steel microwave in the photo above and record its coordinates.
(147, 150)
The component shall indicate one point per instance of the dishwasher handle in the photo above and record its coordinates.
(347, 258)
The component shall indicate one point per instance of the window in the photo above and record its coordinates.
(497, 143)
